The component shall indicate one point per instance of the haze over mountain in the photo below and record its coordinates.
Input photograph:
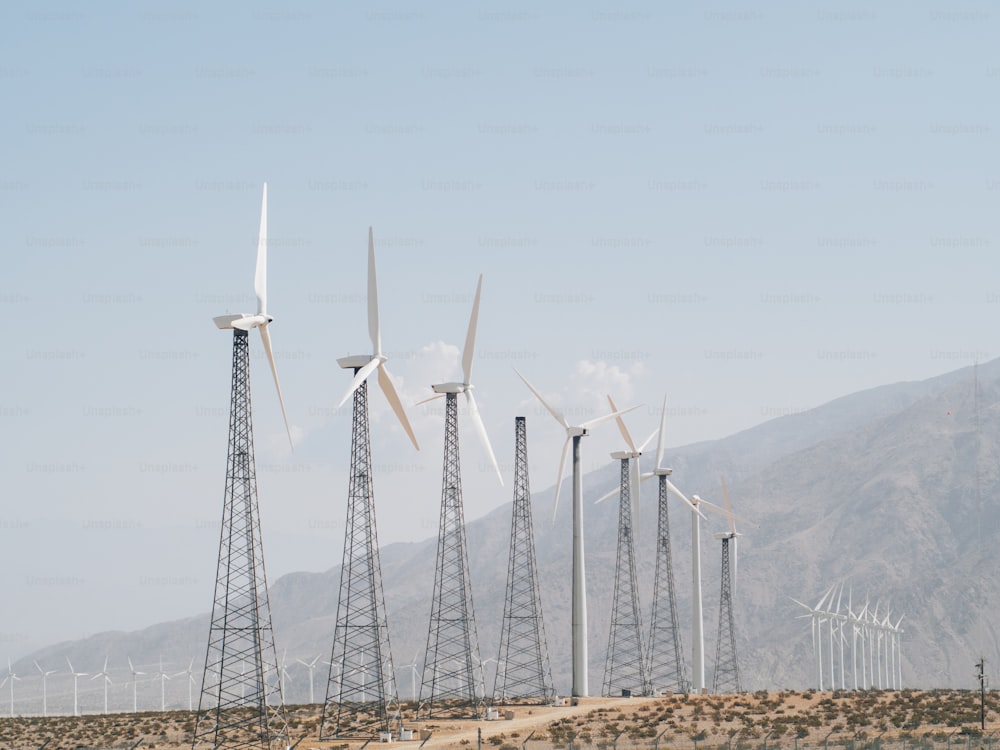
(890, 490)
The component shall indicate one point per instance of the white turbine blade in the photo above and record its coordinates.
(428, 400)
(470, 336)
(728, 505)
(663, 429)
(682, 496)
(260, 277)
(804, 606)
(722, 511)
(359, 378)
(385, 382)
(604, 497)
(606, 417)
(552, 410)
(822, 601)
(562, 466)
(39, 668)
(621, 426)
(373, 325)
(477, 420)
(647, 441)
(266, 338)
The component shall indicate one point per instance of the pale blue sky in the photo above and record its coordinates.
(753, 210)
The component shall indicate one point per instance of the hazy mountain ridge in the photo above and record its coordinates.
(876, 489)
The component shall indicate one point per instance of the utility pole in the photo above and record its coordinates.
(981, 666)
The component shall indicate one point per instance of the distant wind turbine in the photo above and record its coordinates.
(107, 681)
(311, 666)
(163, 686)
(45, 675)
(76, 676)
(135, 682)
(191, 682)
(9, 680)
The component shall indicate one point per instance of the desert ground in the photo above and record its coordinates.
(845, 719)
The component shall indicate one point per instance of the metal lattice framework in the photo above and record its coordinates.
(727, 665)
(361, 689)
(523, 671)
(453, 676)
(667, 670)
(625, 668)
(241, 704)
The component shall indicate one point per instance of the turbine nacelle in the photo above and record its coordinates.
(573, 431)
(242, 321)
(357, 361)
(623, 455)
(451, 387)
(664, 472)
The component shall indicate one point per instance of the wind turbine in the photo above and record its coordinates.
(9, 679)
(839, 619)
(284, 673)
(727, 668)
(697, 626)
(412, 666)
(163, 686)
(451, 632)
(135, 682)
(899, 652)
(852, 618)
(625, 667)
(45, 675)
(311, 666)
(361, 625)
(107, 681)
(241, 623)
(817, 615)
(574, 433)
(76, 676)
(666, 671)
(190, 675)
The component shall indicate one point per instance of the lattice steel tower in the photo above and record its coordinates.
(523, 670)
(361, 690)
(727, 666)
(625, 668)
(667, 669)
(241, 708)
(453, 677)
